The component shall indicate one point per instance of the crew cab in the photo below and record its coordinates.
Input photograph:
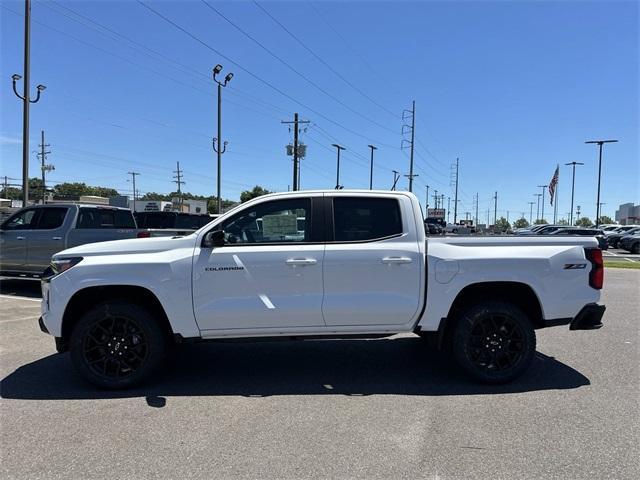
(32, 235)
(315, 264)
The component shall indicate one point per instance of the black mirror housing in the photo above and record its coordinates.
(213, 239)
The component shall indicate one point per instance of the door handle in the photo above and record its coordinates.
(21, 238)
(56, 238)
(396, 260)
(301, 261)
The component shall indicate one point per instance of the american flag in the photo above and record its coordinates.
(554, 183)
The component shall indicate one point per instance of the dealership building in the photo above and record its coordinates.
(628, 214)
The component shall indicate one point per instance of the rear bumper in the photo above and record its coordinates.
(589, 318)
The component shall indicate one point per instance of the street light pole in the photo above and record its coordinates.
(221, 146)
(600, 143)
(26, 100)
(371, 170)
(538, 206)
(531, 212)
(573, 184)
(338, 148)
(543, 187)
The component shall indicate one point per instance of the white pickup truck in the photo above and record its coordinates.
(318, 264)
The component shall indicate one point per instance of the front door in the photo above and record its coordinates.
(372, 266)
(14, 234)
(268, 275)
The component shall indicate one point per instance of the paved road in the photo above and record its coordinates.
(328, 409)
(619, 254)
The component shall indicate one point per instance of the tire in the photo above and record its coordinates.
(635, 248)
(509, 336)
(117, 345)
(455, 230)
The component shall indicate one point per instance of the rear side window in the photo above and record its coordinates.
(51, 218)
(187, 221)
(105, 218)
(156, 220)
(362, 218)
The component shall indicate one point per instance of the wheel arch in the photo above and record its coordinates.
(517, 293)
(88, 297)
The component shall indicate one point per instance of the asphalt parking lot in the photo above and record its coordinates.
(619, 254)
(385, 408)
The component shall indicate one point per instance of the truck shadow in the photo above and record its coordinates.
(398, 366)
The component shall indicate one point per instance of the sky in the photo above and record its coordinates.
(511, 88)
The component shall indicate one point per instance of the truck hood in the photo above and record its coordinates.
(131, 245)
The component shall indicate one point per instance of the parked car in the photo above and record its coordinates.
(432, 229)
(584, 232)
(156, 224)
(533, 230)
(30, 237)
(361, 266)
(631, 243)
(614, 238)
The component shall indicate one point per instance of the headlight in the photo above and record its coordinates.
(60, 265)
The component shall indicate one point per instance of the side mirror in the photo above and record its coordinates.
(213, 239)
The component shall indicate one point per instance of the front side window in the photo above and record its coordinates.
(51, 218)
(363, 218)
(279, 221)
(24, 220)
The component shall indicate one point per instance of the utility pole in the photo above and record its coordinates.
(543, 187)
(178, 181)
(455, 202)
(26, 100)
(296, 149)
(133, 179)
(495, 209)
(435, 198)
(43, 167)
(411, 143)
(396, 177)
(599, 143)
(531, 212)
(477, 202)
(411, 177)
(371, 170)
(449, 210)
(338, 148)
(573, 184)
(218, 145)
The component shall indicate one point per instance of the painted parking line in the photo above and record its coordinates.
(31, 317)
(16, 297)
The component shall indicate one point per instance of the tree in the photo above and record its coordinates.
(257, 191)
(502, 224)
(521, 223)
(604, 219)
(562, 221)
(540, 221)
(584, 222)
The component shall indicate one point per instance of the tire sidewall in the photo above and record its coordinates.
(464, 326)
(156, 341)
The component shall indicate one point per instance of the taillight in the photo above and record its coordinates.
(596, 275)
(144, 234)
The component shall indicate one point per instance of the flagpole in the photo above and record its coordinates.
(555, 197)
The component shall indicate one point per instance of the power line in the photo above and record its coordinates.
(321, 60)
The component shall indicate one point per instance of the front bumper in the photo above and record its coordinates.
(589, 318)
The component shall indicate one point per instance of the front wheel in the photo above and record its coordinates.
(494, 342)
(117, 345)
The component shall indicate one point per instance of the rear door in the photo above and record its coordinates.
(47, 237)
(99, 224)
(372, 262)
(13, 240)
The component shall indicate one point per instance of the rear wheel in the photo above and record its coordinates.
(635, 248)
(117, 345)
(493, 341)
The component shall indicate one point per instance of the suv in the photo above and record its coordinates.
(585, 232)
(30, 237)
